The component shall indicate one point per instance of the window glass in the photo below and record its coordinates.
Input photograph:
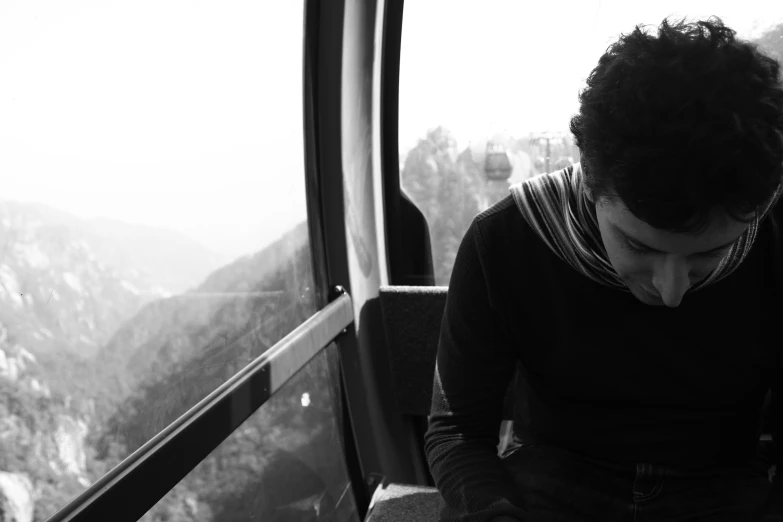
(487, 92)
(153, 234)
(284, 463)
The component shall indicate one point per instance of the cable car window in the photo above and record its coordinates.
(285, 462)
(486, 94)
(153, 235)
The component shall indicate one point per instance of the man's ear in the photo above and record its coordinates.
(585, 188)
(588, 193)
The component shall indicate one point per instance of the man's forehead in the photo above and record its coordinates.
(719, 232)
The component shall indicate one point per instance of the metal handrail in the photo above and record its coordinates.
(136, 484)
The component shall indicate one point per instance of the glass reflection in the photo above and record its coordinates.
(284, 463)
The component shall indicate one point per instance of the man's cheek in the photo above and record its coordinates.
(622, 265)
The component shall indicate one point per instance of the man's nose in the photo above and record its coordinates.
(672, 280)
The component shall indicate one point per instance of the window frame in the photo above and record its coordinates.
(409, 249)
(323, 51)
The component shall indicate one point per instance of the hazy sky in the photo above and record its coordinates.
(180, 113)
(187, 113)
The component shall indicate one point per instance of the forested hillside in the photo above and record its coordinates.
(121, 364)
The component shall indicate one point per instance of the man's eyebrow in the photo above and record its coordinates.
(629, 237)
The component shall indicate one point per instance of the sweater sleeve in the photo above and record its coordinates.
(773, 510)
(474, 366)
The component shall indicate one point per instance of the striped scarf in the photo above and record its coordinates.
(556, 206)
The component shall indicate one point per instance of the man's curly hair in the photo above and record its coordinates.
(683, 124)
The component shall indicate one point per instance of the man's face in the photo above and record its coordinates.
(660, 266)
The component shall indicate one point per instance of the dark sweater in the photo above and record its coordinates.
(600, 373)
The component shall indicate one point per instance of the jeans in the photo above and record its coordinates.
(560, 485)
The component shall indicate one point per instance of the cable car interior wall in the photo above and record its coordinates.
(358, 371)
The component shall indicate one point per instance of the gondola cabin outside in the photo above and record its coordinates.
(497, 165)
(497, 171)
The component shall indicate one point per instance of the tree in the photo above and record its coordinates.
(447, 187)
(772, 42)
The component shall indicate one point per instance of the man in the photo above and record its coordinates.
(635, 294)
